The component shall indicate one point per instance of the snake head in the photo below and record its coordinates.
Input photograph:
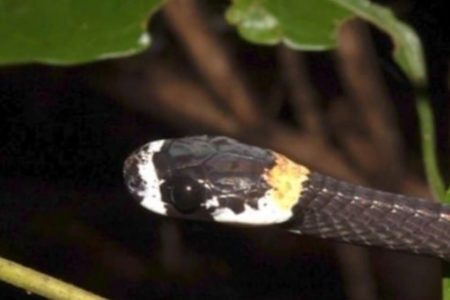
(213, 178)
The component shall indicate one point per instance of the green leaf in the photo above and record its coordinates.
(408, 50)
(72, 31)
(447, 196)
(312, 25)
(446, 288)
(301, 24)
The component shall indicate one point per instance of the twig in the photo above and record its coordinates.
(347, 128)
(41, 284)
(364, 84)
(354, 265)
(169, 95)
(303, 97)
(209, 55)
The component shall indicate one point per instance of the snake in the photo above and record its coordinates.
(219, 179)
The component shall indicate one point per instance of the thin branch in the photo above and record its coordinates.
(208, 54)
(364, 83)
(167, 94)
(303, 97)
(41, 284)
(354, 264)
(357, 146)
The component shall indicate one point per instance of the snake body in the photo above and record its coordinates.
(220, 179)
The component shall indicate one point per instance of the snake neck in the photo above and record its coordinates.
(335, 209)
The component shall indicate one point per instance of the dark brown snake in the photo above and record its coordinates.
(219, 179)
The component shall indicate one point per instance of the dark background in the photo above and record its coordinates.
(65, 132)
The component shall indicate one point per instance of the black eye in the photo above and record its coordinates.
(185, 193)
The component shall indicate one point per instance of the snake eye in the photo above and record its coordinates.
(186, 194)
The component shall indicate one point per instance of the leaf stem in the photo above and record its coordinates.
(41, 284)
(427, 130)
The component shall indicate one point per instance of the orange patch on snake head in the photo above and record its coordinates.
(286, 179)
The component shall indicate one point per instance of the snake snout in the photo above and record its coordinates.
(133, 179)
(141, 177)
